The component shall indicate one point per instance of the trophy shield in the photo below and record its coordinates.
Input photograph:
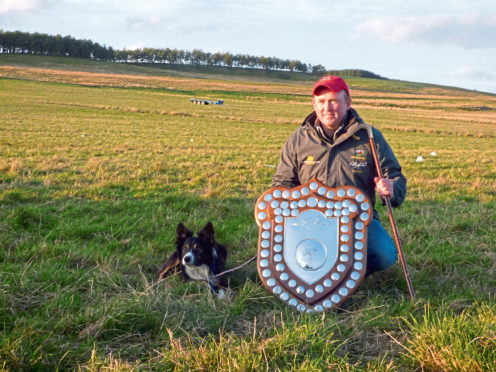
(312, 244)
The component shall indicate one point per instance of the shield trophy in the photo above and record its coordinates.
(312, 244)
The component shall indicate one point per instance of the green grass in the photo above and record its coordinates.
(445, 340)
(95, 176)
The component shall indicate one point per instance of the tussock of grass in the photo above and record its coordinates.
(284, 348)
(445, 341)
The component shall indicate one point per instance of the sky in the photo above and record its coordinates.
(446, 42)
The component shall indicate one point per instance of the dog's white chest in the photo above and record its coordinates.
(197, 272)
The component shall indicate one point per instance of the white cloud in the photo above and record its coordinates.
(130, 5)
(144, 22)
(22, 7)
(280, 9)
(134, 46)
(289, 11)
(468, 31)
(167, 24)
(19, 6)
(469, 73)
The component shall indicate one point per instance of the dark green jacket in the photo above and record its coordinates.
(346, 160)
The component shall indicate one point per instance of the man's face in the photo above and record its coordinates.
(331, 108)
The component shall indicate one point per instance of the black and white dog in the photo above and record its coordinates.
(198, 258)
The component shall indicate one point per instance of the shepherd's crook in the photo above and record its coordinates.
(368, 128)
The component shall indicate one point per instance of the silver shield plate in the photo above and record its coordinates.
(312, 243)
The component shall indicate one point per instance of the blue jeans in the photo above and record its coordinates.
(381, 251)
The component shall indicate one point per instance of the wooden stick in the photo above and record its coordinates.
(399, 248)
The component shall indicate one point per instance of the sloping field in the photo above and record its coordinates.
(97, 169)
(428, 109)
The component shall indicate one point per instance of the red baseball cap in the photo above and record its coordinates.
(333, 83)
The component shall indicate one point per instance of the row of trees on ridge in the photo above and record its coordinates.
(36, 43)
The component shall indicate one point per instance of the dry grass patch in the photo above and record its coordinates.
(135, 81)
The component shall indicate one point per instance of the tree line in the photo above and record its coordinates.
(36, 43)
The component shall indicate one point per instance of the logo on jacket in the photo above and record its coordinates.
(310, 160)
(357, 166)
(359, 154)
(359, 161)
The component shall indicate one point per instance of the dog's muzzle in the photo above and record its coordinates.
(188, 259)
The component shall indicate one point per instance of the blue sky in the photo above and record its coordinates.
(440, 42)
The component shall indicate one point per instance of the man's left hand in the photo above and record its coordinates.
(384, 187)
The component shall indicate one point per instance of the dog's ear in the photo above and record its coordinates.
(169, 265)
(207, 233)
(182, 233)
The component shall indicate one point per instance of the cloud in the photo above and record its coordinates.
(468, 31)
(284, 9)
(23, 6)
(151, 22)
(10, 6)
(180, 26)
(134, 46)
(468, 73)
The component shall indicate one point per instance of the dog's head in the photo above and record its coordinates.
(193, 252)
(196, 250)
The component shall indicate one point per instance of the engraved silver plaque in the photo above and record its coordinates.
(312, 253)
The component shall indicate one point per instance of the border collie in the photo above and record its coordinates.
(198, 258)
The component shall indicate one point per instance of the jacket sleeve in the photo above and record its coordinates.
(287, 170)
(391, 168)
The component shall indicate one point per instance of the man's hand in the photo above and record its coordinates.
(384, 187)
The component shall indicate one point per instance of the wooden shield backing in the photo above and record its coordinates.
(312, 245)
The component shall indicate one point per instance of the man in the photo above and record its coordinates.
(329, 147)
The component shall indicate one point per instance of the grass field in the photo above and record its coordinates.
(97, 169)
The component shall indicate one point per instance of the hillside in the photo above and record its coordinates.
(214, 72)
